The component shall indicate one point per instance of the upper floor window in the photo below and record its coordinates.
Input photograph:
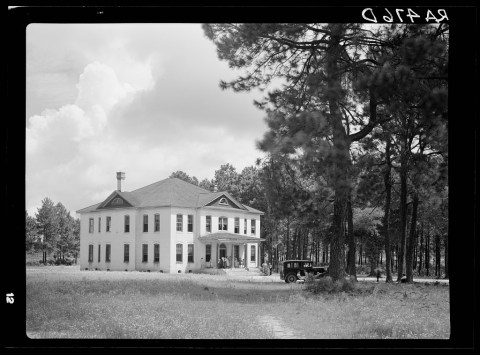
(127, 223)
(253, 227)
(237, 225)
(179, 222)
(156, 228)
(190, 223)
(145, 222)
(208, 224)
(107, 252)
(223, 201)
(109, 223)
(99, 224)
(90, 253)
(245, 226)
(90, 225)
(222, 223)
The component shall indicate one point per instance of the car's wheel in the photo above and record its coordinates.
(290, 278)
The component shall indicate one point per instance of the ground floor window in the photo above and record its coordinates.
(190, 253)
(208, 252)
(144, 253)
(252, 253)
(90, 253)
(156, 253)
(107, 253)
(179, 253)
(99, 252)
(126, 253)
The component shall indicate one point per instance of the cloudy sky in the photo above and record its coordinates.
(139, 98)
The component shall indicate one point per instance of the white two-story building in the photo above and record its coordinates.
(169, 226)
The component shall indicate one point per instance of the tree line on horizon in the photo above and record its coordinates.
(53, 232)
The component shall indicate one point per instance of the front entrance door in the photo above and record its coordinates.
(223, 251)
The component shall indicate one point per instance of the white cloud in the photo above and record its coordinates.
(147, 103)
(57, 139)
(99, 88)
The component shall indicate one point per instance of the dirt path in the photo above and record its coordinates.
(279, 328)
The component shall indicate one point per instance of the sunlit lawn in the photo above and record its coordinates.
(63, 302)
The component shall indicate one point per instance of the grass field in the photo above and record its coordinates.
(64, 302)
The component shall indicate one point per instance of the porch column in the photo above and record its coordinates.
(231, 264)
(217, 256)
(244, 255)
(258, 255)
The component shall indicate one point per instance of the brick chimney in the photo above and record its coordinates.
(120, 177)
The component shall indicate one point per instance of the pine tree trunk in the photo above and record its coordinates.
(337, 251)
(352, 270)
(427, 253)
(386, 218)
(305, 245)
(411, 239)
(372, 267)
(415, 251)
(446, 255)
(437, 256)
(421, 251)
(403, 212)
(360, 254)
(288, 239)
(396, 258)
(340, 151)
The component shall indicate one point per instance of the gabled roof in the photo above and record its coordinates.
(168, 192)
(208, 198)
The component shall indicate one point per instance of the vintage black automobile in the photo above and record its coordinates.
(293, 270)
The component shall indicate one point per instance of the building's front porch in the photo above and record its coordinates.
(229, 250)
